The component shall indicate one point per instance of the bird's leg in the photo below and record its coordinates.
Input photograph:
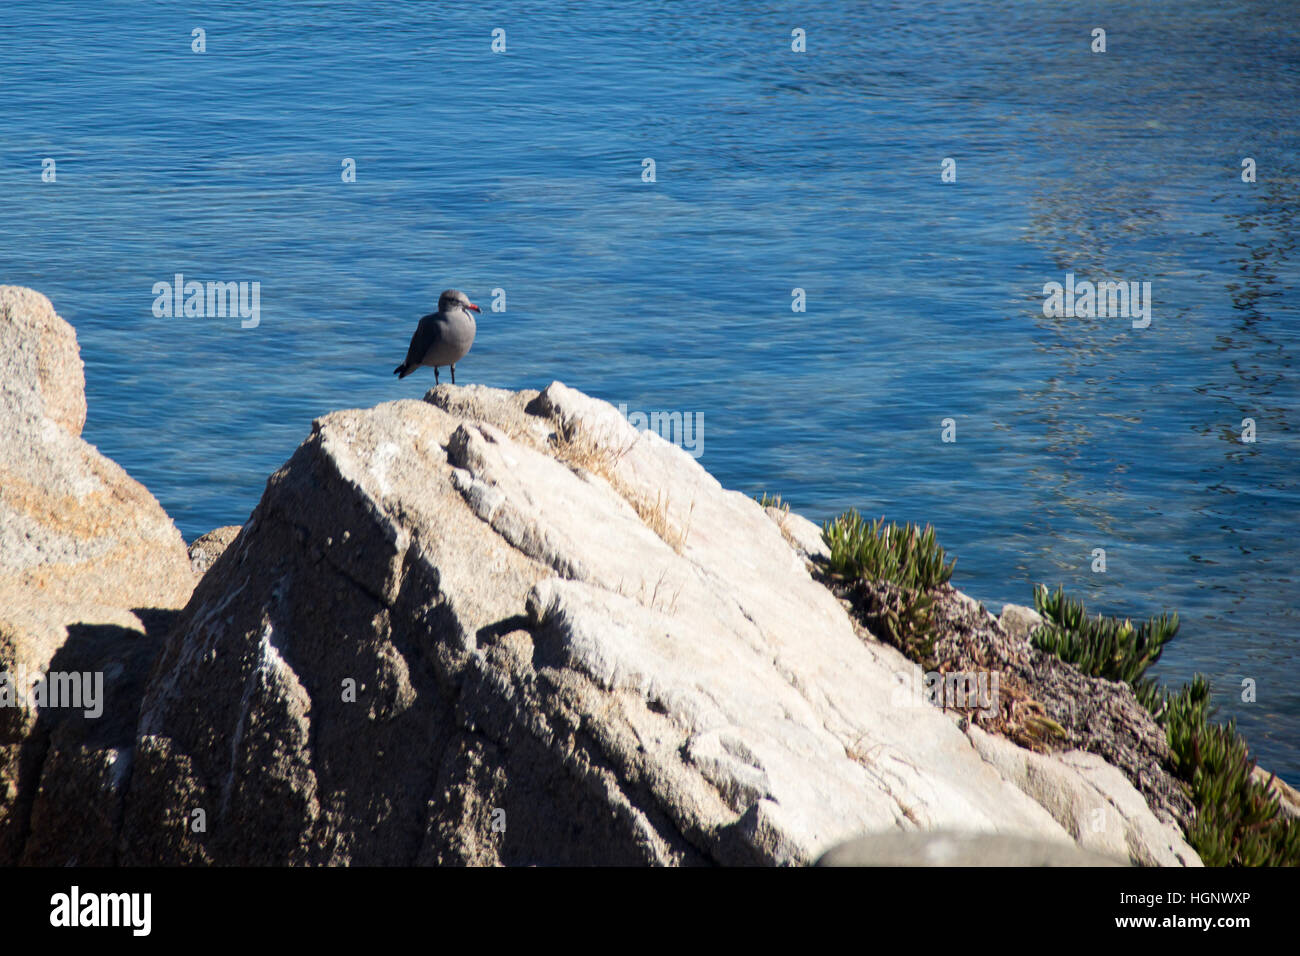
(435, 375)
(453, 375)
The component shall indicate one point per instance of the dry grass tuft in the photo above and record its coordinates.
(656, 598)
(774, 501)
(863, 754)
(581, 450)
(657, 516)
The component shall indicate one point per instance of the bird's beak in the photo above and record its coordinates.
(473, 307)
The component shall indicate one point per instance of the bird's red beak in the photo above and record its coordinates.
(473, 307)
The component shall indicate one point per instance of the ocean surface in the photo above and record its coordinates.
(773, 171)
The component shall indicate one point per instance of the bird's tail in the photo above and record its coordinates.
(403, 370)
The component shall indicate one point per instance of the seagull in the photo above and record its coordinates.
(442, 338)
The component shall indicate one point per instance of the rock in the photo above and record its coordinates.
(361, 563)
(208, 547)
(944, 848)
(802, 535)
(41, 373)
(90, 566)
(971, 604)
(1019, 621)
(1093, 800)
(1039, 701)
(498, 628)
(508, 411)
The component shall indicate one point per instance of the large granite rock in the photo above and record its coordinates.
(90, 567)
(490, 627)
(498, 627)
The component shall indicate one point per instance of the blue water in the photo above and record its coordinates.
(774, 171)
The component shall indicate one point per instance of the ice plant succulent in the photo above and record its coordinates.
(906, 555)
(1238, 820)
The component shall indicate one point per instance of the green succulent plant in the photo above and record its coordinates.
(1238, 820)
(1100, 646)
(902, 618)
(906, 555)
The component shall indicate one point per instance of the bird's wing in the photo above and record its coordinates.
(426, 336)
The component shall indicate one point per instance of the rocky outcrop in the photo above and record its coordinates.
(499, 627)
(1048, 704)
(485, 628)
(1105, 743)
(1019, 622)
(90, 568)
(1092, 799)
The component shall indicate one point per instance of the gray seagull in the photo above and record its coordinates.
(442, 338)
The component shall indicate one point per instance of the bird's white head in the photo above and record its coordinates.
(455, 299)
